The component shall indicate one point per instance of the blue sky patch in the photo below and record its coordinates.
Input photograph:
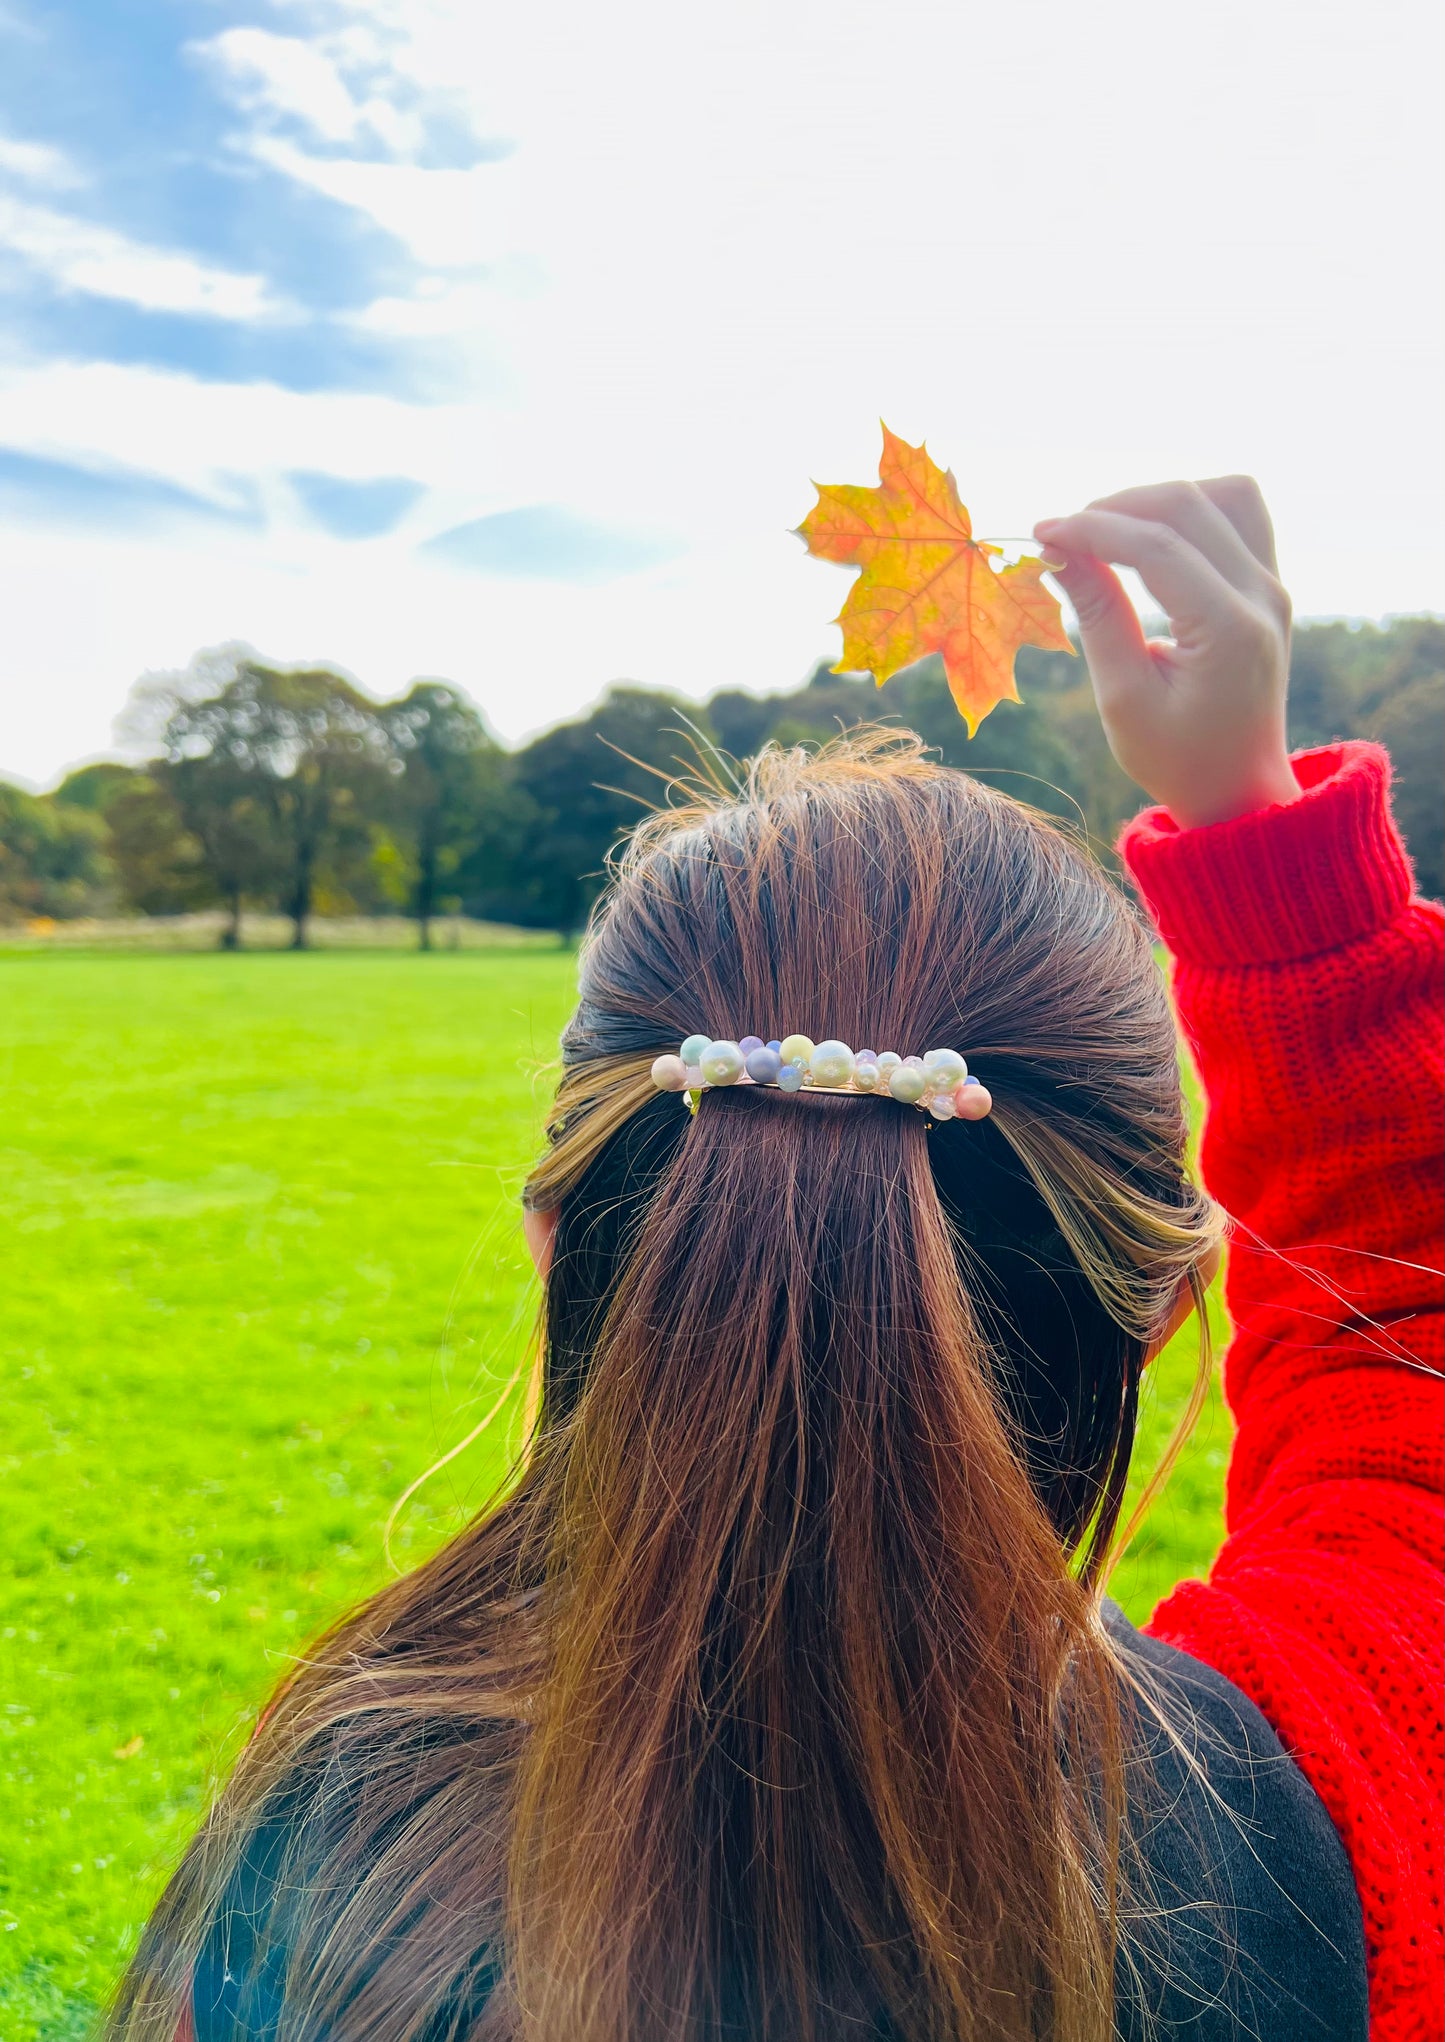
(55, 492)
(356, 510)
(548, 542)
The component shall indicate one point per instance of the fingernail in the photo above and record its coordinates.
(1054, 562)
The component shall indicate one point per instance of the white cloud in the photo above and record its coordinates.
(447, 219)
(78, 256)
(286, 75)
(38, 163)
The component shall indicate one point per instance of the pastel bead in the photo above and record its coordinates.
(721, 1063)
(866, 1056)
(946, 1067)
(831, 1065)
(942, 1108)
(692, 1049)
(776, 1046)
(972, 1101)
(913, 1063)
(762, 1065)
(867, 1077)
(750, 1042)
(796, 1049)
(908, 1085)
(669, 1074)
(889, 1061)
(790, 1078)
(694, 1078)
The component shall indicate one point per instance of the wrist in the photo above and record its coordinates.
(1271, 785)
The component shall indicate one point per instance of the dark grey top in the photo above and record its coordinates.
(1245, 1926)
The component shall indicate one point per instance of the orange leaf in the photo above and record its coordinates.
(927, 584)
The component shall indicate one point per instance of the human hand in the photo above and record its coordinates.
(1196, 719)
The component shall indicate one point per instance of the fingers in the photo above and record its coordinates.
(1189, 509)
(1241, 500)
(1189, 587)
(1109, 626)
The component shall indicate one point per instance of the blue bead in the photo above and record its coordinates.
(775, 1045)
(747, 1042)
(790, 1078)
(763, 1065)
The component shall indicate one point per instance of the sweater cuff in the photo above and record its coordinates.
(1284, 882)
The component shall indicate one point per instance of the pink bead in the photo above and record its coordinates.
(972, 1101)
(669, 1074)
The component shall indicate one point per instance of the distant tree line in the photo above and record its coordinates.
(289, 789)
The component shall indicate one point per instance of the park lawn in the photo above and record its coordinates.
(262, 1268)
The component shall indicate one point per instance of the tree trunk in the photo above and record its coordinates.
(231, 934)
(426, 890)
(300, 908)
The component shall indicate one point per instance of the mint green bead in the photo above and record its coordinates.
(721, 1063)
(692, 1049)
(907, 1085)
(797, 1049)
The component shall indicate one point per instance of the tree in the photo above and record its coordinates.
(452, 774)
(52, 859)
(274, 774)
(586, 783)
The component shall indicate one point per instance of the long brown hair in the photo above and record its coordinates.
(772, 1701)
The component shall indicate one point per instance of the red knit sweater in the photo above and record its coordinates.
(1308, 982)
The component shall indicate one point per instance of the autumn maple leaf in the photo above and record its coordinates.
(927, 584)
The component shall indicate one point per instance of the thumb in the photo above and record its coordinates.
(1113, 637)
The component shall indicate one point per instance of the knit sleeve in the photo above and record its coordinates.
(1308, 982)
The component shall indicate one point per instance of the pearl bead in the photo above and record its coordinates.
(972, 1101)
(831, 1065)
(867, 1077)
(669, 1074)
(946, 1067)
(866, 1056)
(694, 1078)
(796, 1049)
(913, 1063)
(763, 1065)
(692, 1049)
(889, 1061)
(907, 1085)
(790, 1078)
(943, 1107)
(749, 1042)
(721, 1063)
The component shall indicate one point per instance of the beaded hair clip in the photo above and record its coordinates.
(938, 1082)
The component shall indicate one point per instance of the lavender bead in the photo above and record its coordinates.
(762, 1065)
(749, 1042)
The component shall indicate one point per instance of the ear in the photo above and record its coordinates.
(540, 1229)
(1184, 1304)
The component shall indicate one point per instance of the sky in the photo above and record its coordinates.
(499, 342)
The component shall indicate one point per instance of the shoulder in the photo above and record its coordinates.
(1244, 1896)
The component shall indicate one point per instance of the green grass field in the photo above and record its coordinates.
(262, 1268)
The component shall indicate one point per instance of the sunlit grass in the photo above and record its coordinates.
(262, 1268)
